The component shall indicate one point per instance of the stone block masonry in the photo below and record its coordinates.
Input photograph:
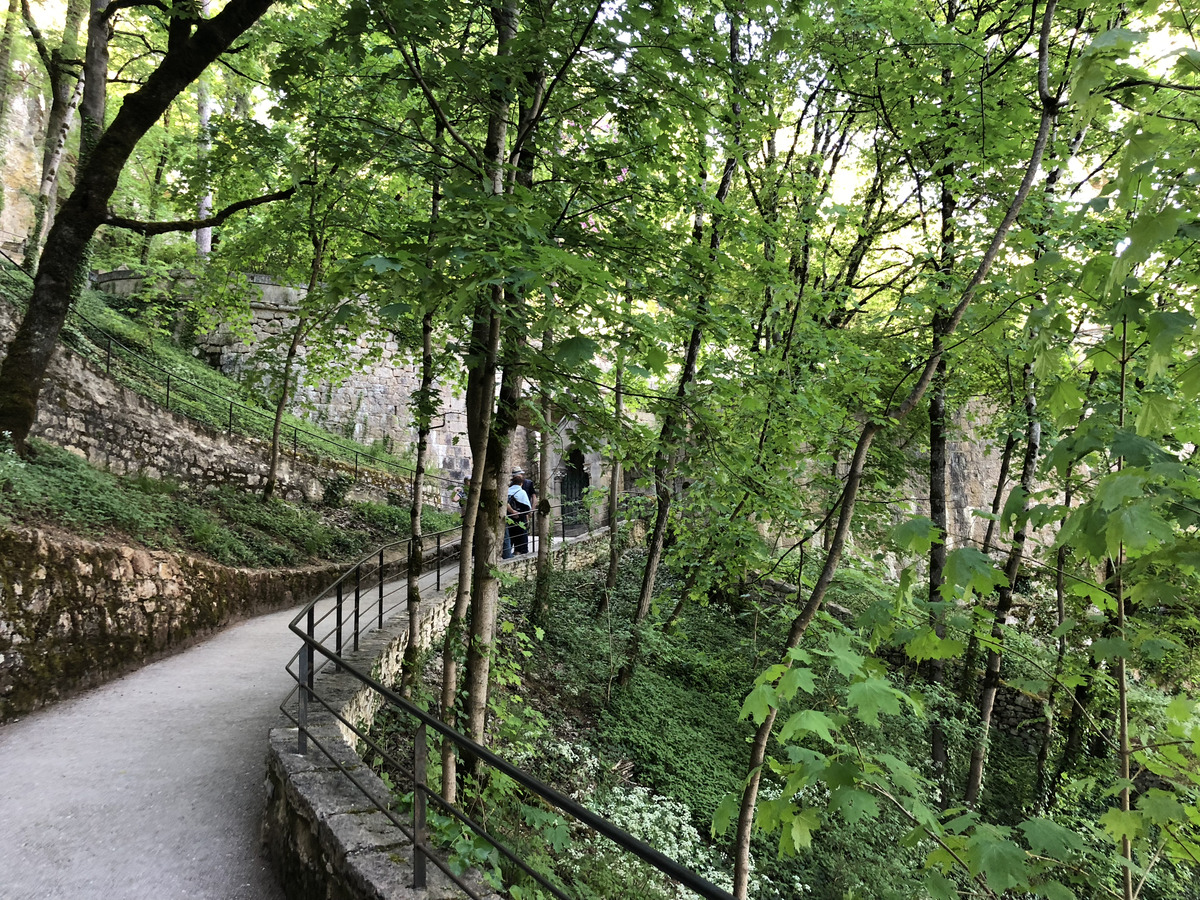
(324, 826)
(74, 612)
(115, 428)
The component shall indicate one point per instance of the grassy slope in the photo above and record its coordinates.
(56, 489)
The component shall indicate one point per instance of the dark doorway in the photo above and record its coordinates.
(575, 482)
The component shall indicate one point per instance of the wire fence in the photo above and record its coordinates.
(194, 401)
(330, 627)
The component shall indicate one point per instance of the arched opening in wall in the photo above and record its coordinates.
(575, 481)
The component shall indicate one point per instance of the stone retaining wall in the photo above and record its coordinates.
(111, 426)
(326, 836)
(75, 613)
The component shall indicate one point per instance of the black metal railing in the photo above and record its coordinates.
(325, 629)
(194, 401)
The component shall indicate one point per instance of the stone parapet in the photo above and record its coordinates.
(325, 826)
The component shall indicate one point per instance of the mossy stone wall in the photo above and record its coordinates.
(75, 613)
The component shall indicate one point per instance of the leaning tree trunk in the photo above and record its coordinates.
(669, 433)
(65, 89)
(281, 402)
(56, 146)
(57, 282)
(758, 751)
(938, 752)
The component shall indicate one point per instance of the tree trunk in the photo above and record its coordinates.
(203, 115)
(483, 512)
(966, 684)
(614, 489)
(758, 752)
(669, 434)
(416, 546)
(160, 169)
(57, 282)
(541, 587)
(6, 46)
(991, 677)
(425, 408)
(65, 88)
(6, 80)
(56, 146)
(285, 393)
(938, 752)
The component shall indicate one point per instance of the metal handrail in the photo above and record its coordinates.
(110, 342)
(304, 626)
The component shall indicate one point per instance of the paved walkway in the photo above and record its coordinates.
(151, 787)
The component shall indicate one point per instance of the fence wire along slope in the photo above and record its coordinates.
(329, 627)
(192, 400)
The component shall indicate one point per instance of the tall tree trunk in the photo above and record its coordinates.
(56, 146)
(1012, 568)
(320, 246)
(416, 546)
(6, 46)
(6, 79)
(758, 747)
(484, 511)
(938, 751)
(281, 401)
(966, 684)
(160, 169)
(65, 90)
(425, 409)
(57, 282)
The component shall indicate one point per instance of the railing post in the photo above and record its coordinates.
(295, 442)
(357, 582)
(168, 390)
(338, 618)
(302, 719)
(306, 681)
(437, 563)
(230, 429)
(420, 760)
(562, 514)
(108, 357)
(356, 465)
(380, 587)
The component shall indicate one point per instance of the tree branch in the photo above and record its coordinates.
(140, 227)
(117, 5)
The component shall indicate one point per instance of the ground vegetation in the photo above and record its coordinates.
(812, 242)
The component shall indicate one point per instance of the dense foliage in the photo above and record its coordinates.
(772, 259)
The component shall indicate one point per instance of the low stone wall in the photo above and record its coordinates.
(75, 613)
(325, 834)
(113, 427)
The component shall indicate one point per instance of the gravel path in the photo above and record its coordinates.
(150, 786)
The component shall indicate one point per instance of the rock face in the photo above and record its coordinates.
(74, 613)
(21, 134)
